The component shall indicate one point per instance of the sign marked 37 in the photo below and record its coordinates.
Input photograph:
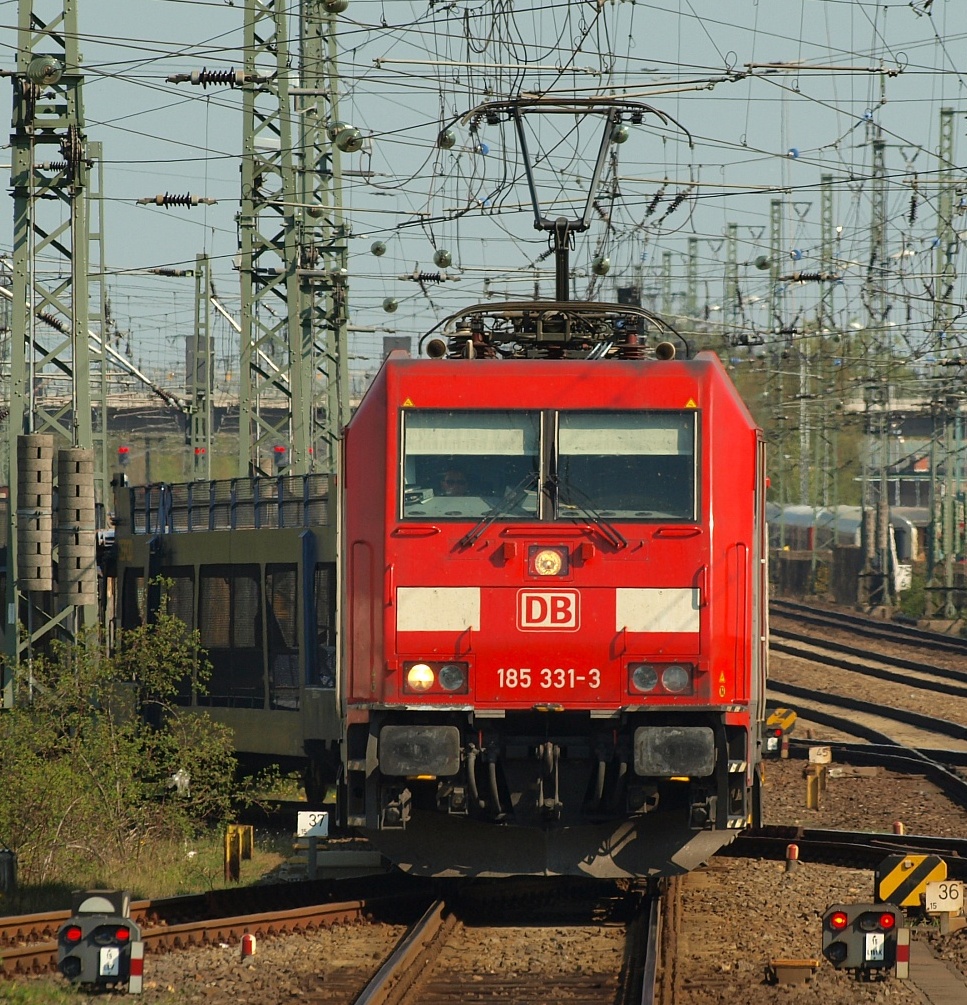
(548, 610)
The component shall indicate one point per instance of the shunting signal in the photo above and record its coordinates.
(780, 724)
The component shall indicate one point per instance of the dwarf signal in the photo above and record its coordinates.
(862, 937)
(100, 944)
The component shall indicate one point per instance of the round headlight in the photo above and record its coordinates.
(548, 562)
(419, 677)
(675, 678)
(452, 677)
(644, 677)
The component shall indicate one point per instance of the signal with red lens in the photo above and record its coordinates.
(887, 921)
(73, 933)
(838, 920)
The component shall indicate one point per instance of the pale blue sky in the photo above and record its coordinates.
(407, 66)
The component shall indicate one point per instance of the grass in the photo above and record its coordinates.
(162, 870)
(41, 992)
(168, 868)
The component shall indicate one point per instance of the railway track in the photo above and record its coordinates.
(41, 957)
(865, 627)
(892, 698)
(586, 942)
(945, 679)
(457, 955)
(855, 849)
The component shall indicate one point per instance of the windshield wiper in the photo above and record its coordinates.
(512, 499)
(608, 531)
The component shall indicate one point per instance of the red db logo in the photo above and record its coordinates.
(548, 611)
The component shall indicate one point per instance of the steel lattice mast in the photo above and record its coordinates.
(323, 269)
(274, 354)
(49, 379)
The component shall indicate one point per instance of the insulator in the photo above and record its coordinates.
(631, 350)
(913, 208)
(429, 277)
(52, 166)
(53, 321)
(675, 203)
(655, 199)
(232, 77)
(45, 71)
(620, 133)
(172, 273)
(72, 147)
(349, 140)
(166, 199)
(601, 211)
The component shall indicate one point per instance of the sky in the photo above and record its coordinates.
(762, 100)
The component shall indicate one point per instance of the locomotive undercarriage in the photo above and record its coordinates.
(418, 781)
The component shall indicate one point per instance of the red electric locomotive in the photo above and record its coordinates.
(554, 654)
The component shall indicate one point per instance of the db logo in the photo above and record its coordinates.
(542, 611)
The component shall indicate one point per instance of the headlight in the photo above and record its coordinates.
(644, 677)
(548, 561)
(675, 678)
(452, 677)
(433, 677)
(419, 677)
(659, 679)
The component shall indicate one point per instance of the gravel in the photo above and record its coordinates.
(736, 917)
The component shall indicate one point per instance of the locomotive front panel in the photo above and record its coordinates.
(533, 643)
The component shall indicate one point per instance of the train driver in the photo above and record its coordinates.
(453, 482)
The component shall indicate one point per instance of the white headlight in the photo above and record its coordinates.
(419, 677)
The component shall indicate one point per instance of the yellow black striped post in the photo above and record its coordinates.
(902, 879)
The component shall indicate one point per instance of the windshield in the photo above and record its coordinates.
(466, 464)
(627, 465)
(613, 465)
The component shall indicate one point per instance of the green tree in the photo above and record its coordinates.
(88, 753)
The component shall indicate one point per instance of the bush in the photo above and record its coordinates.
(88, 753)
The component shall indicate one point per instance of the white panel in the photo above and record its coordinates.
(450, 442)
(615, 433)
(437, 608)
(657, 610)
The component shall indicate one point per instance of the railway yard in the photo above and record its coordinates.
(727, 929)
